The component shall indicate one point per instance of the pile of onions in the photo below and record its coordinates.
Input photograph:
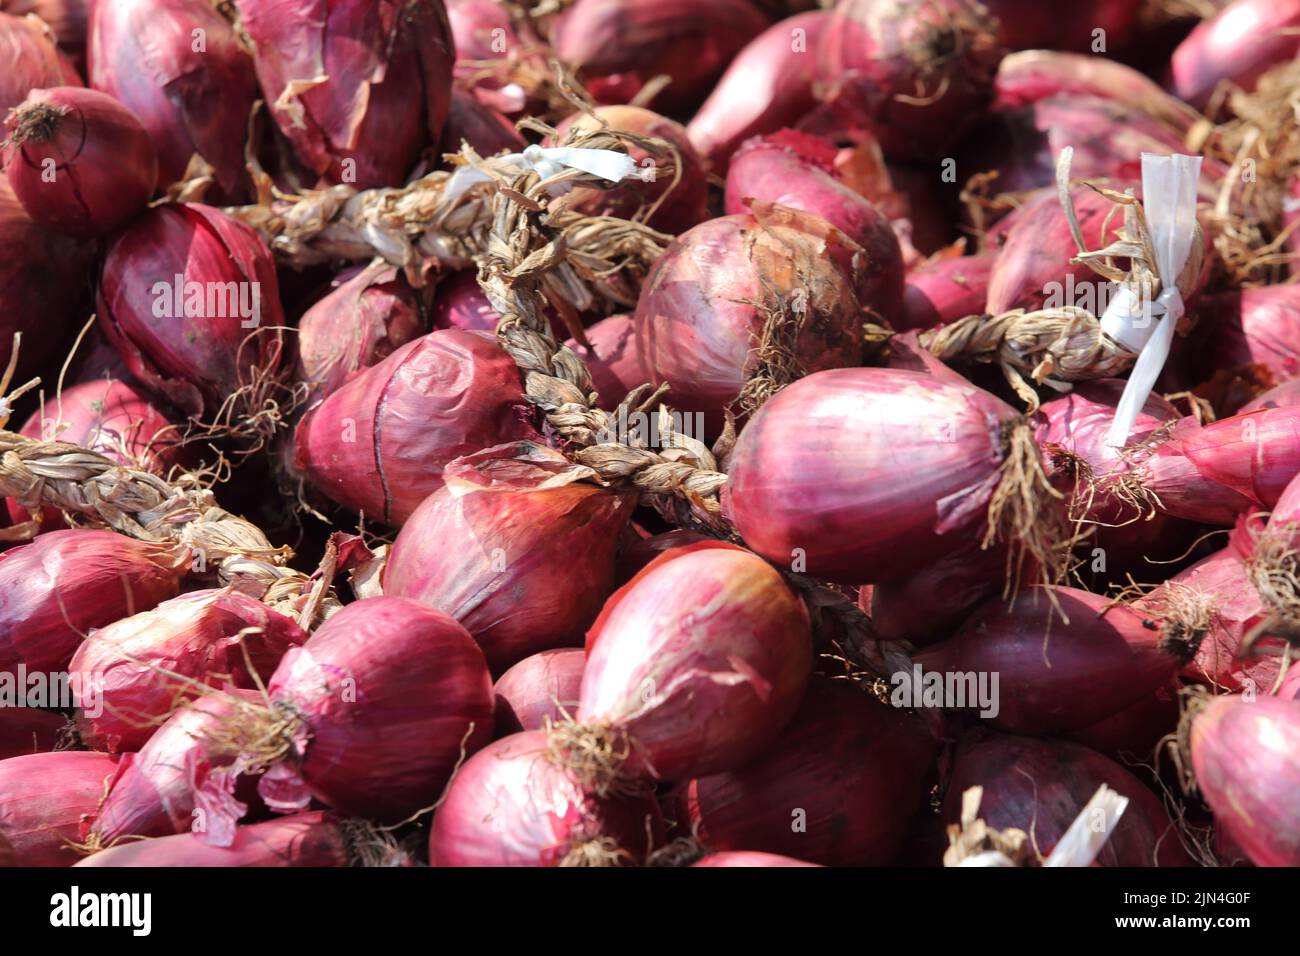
(379, 443)
(865, 475)
(620, 45)
(189, 297)
(62, 584)
(31, 60)
(358, 88)
(110, 417)
(915, 73)
(542, 687)
(370, 716)
(532, 560)
(739, 299)
(178, 66)
(61, 142)
(679, 191)
(944, 290)
(147, 663)
(27, 730)
(510, 805)
(798, 171)
(1244, 756)
(1040, 786)
(767, 86)
(302, 839)
(43, 799)
(370, 311)
(1235, 46)
(856, 768)
(693, 667)
(1061, 673)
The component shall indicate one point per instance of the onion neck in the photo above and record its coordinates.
(36, 123)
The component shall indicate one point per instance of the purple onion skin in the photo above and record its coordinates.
(545, 685)
(31, 61)
(142, 53)
(864, 475)
(1237, 45)
(612, 359)
(944, 291)
(471, 121)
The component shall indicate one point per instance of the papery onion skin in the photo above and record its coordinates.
(768, 85)
(1252, 326)
(1244, 755)
(1040, 786)
(856, 767)
(63, 142)
(1057, 673)
(684, 196)
(700, 660)
(930, 605)
(904, 465)
(68, 19)
(143, 54)
(638, 551)
(43, 798)
(196, 360)
(110, 417)
(1236, 45)
(797, 170)
(421, 694)
(460, 303)
(748, 858)
(379, 443)
(696, 322)
(612, 359)
(27, 730)
(469, 120)
(387, 81)
(30, 57)
(522, 566)
(915, 73)
(1135, 731)
(543, 685)
(509, 805)
(204, 637)
(944, 290)
(56, 588)
(636, 40)
(371, 311)
(303, 839)
(1027, 24)
(1285, 393)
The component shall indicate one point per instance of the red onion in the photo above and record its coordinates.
(1134, 732)
(1025, 24)
(767, 86)
(189, 296)
(26, 730)
(543, 686)
(724, 295)
(148, 663)
(153, 792)
(611, 360)
(460, 303)
(1040, 786)
(62, 584)
(944, 290)
(1286, 393)
(471, 121)
(371, 311)
(1058, 674)
(639, 551)
(370, 716)
(1244, 755)
(106, 416)
(43, 285)
(929, 605)
(62, 142)
(838, 787)
(864, 475)
(693, 667)
(633, 41)
(745, 858)
(303, 839)
(1237, 45)
(43, 798)
(523, 562)
(680, 186)
(179, 67)
(797, 170)
(510, 805)
(379, 443)
(490, 54)
(358, 87)
(1029, 76)
(1254, 326)
(915, 73)
(31, 61)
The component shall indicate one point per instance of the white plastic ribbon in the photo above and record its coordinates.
(1081, 843)
(1169, 201)
(548, 161)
